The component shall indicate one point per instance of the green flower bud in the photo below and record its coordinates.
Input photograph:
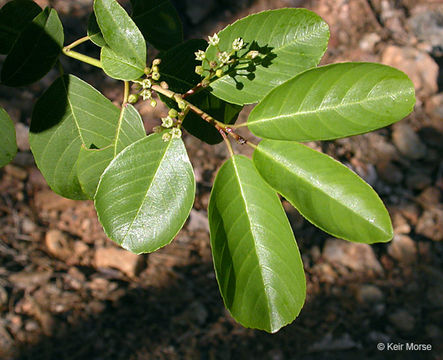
(173, 113)
(155, 76)
(156, 62)
(219, 73)
(155, 68)
(133, 98)
(181, 104)
(164, 85)
(153, 103)
(147, 70)
(199, 70)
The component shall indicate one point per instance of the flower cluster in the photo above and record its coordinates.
(223, 57)
(172, 124)
(144, 85)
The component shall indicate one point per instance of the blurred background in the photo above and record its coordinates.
(67, 292)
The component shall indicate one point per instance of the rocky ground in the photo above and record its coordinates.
(67, 292)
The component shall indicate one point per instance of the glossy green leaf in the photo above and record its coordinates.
(325, 192)
(8, 144)
(289, 41)
(71, 113)
(14, 17)
(181, 77)
(334, 101)
(146, 193)
(94, 32)
(35, 51)
(256, 258)
(124, 57)
(92, 162)
(159, 22)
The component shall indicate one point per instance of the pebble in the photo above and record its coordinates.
(408, 142)
(430, 224)
(28, 226)
(3, 297)
(390, 173)
(369, 294)
(418, 65)
(198, 221)
(400, 224)
(418, 181)
(29, 280)
(120, 259)
(368, 42)
(356, 256)
(58, 244)
(427, 26)
(48, 200)
(16, 172)
(402, 320)
(402, 248)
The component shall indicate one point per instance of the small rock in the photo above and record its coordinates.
(408, 142)
(358, 257)
(434, 108)
(3, 298)
(429, 197)
(7, 348)
(200, 314)
(418, 65)
(428, 27)
(28, 226)
(58, 244)
(80, 248)
(402, 320)
(16, 172)
(120, 259)
(22, 135)
(402, 248)
(368, 42)
(369, 294)
(29, 280)
(430, 224)
(400, 224)
(198, 221)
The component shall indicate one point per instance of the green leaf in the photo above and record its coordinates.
(325, 192)
(14, 17)
(8, 145)
(124, 57)
(159, 22)
(289, 41)
(71, 113)
(181, 77)
(334, 101)
(256, 258)
(92, 162)
(94, 32)
(36, 50)
(146, 193)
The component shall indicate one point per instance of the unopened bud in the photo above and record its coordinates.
(181, 104)
(147, 70)
(199, 70)
(205, 82)
(164, 85)
(155, 76)
(219, 73)
(153, 103)
(155, 68)
(173, 113)
(133, 98)
(252, 54)
(156, 62)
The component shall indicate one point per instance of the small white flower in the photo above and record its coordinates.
(213, 40)
(237, 44)
(167, 122)
(166, 136)
(146, 94)
(176, 133)
(146, 84)
(223, 57)
(199, 55)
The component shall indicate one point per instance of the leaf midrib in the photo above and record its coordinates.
(253, 235)
(147, 190)
(319, 110)
(303, 179)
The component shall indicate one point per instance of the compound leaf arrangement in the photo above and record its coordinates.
(143, 186)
